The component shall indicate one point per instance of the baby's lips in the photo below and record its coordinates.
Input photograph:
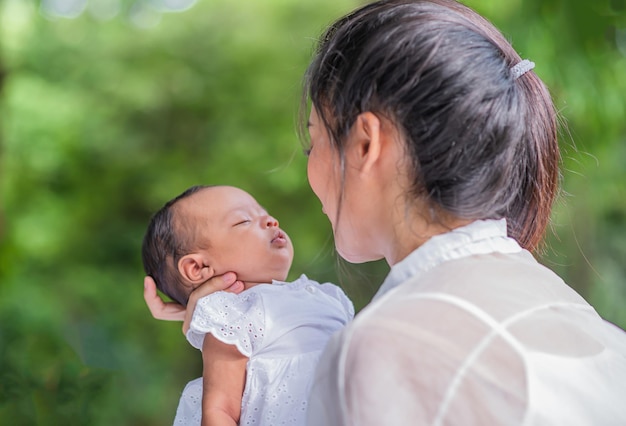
(279, 236)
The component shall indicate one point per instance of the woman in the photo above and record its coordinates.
(433, 146)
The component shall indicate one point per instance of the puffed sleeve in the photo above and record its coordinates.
(338, 294)
(236, 319)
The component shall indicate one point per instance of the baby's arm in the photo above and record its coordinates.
(224, 378)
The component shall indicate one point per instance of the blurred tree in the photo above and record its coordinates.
(103, 122)
(107, 115)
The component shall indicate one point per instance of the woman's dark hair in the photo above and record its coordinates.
(481, 144)
(163, 246)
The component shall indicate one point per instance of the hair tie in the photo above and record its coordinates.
(521, 68)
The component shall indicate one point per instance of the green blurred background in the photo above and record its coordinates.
(108, 108)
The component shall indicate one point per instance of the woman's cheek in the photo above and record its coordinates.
(317, 181)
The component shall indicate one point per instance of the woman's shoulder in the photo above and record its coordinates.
(497, 285)
(461, 302)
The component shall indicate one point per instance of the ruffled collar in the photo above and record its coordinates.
(479, 237)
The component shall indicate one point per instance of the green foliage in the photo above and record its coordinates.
(102, 121)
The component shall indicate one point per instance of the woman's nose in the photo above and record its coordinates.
(270, 222)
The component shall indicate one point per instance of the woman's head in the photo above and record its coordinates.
(478, 143)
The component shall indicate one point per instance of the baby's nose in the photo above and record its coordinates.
(271, 222)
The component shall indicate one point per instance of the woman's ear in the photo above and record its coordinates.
(366, 140)
(194, 268)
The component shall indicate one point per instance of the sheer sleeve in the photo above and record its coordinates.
(484, 340)
(237, 319)
(384, 369)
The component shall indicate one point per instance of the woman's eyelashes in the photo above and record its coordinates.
(242, 222)
(307, 151)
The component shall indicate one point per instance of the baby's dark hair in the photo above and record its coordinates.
(164, 244)
(480, 143)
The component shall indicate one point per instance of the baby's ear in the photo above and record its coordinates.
(194, 268)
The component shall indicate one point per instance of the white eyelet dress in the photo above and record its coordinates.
(282, 329)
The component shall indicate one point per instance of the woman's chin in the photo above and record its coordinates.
(354, 256)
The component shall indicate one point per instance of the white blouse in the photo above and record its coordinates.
(282, 328)
(470, 330)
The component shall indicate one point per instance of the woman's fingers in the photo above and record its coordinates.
(227, 282)
(159, 309)
(171, 311)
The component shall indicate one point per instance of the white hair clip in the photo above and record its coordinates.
(521, 68)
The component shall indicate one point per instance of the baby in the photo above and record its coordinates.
(260, 347)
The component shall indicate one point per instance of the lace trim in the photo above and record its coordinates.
(233, 319)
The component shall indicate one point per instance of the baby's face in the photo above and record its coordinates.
(242, 236)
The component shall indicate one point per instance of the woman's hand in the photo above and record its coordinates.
(168, 311)
(227, 282)
(171, 311)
